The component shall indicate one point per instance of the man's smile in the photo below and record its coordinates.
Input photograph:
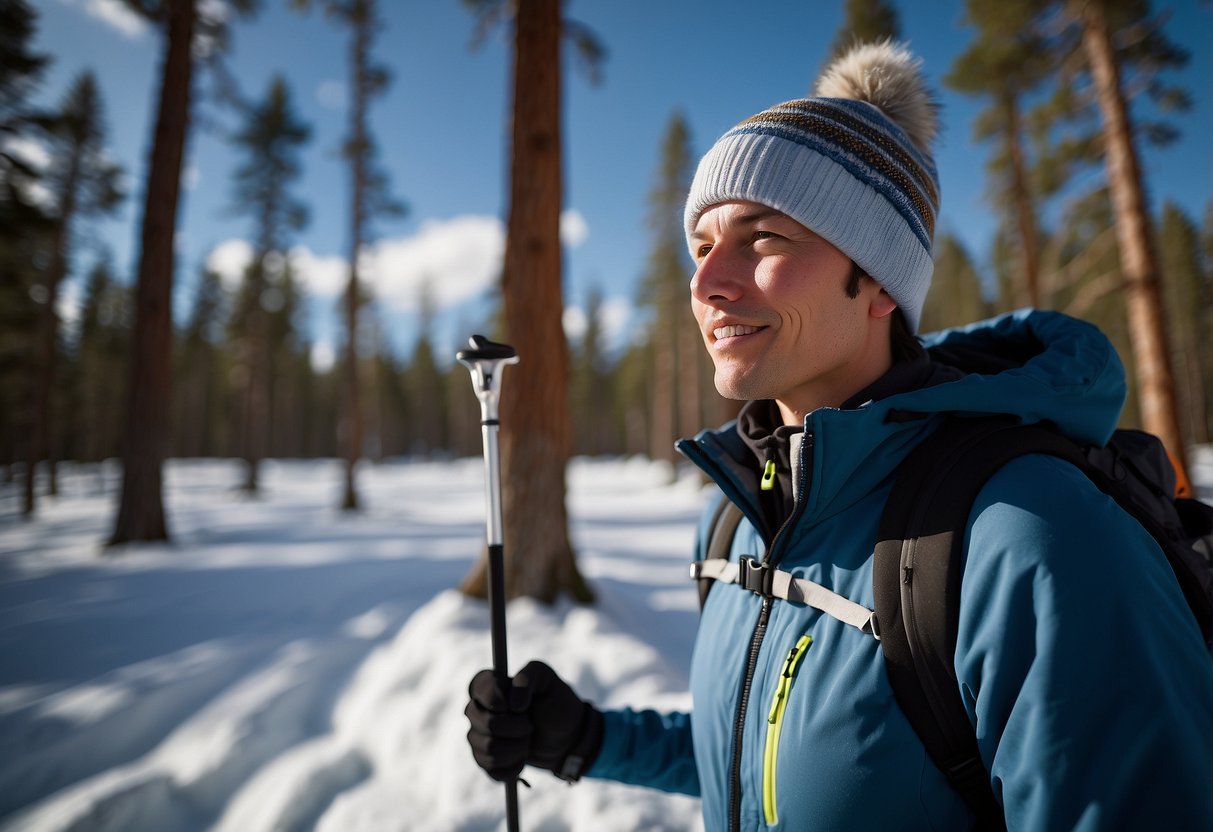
(722, 333)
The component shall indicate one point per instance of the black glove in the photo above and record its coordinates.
(538, 720)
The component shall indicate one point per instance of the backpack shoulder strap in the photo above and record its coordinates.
(721, 530)
(916, 577)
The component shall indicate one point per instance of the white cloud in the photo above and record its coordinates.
(229, 259)
(30, 151)
(574, 322)
(331, 95)
(215, 12)
(321, 276)
(457, 259)
(67, 304)
(34, 154)
(190, 177)
(615, 318)
(41, 195)
(573, 228)
(323, 356)
(115, 14)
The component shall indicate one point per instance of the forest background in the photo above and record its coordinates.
(320, 136)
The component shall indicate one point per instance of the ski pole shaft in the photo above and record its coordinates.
(494, 537)
(486, 361)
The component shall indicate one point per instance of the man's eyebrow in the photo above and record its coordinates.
(757, 216)
(746, 219)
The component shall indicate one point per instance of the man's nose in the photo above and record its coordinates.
(717, 277)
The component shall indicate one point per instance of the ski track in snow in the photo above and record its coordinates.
(281, 666)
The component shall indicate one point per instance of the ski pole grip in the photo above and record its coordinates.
(482, 349)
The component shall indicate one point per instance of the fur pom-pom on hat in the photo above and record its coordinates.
(887, 76)
(852, 164)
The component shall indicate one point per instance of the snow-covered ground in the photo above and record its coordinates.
(283, 666)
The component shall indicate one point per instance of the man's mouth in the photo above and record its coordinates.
(722, 332)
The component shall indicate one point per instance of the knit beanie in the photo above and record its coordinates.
(852, 164)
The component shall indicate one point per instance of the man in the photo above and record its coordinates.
(1083, 673)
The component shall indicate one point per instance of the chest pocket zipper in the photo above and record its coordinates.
(779, 704)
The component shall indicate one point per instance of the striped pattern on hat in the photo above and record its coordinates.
(845, 170)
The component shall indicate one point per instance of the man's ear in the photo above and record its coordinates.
(881, 305)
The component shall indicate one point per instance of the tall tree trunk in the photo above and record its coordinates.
(535, 430)
(256, 394)
(44, 380)
(350, 433)
(141, 511)
(1025, 216)
(1143, 297)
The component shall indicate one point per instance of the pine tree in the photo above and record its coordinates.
(85, 184)
(24, 230)
(370, 200)
(1143, 294)
(146, 432)
(424, 385)
(103, 349)
(1006, 63)
(955, 297)
(535, 435)
(290, 365)
(675, 356)
(1189, 311)
(865, 21)
(198, 392)
(589, 396)
(270, 142)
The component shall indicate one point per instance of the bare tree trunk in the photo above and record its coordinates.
(350, 433)
(44, 380)
(535, 426)
(1143, 300)
(256, 394)
(141, 511)
(1024, 215)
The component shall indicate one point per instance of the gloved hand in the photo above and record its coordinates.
(538, 720)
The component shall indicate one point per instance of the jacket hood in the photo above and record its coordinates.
(1039, 366)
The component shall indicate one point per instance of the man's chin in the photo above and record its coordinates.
(739, 389)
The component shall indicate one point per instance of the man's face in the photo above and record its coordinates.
(770, 298)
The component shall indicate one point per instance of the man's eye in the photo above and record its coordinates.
(702, 252)
(764, 235)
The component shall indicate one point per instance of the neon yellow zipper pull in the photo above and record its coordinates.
(768, 475)
(785, 676)
(781, 693)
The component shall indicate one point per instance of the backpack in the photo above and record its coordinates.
(919, 559)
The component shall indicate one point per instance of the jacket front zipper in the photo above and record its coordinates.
(779, 704)
(760, 629)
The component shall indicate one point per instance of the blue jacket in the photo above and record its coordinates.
(1086, 679)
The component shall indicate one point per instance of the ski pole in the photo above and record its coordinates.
(487, 361)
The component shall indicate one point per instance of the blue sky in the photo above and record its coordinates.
(443, 129)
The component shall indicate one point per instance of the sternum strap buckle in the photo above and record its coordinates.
(755, 576)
